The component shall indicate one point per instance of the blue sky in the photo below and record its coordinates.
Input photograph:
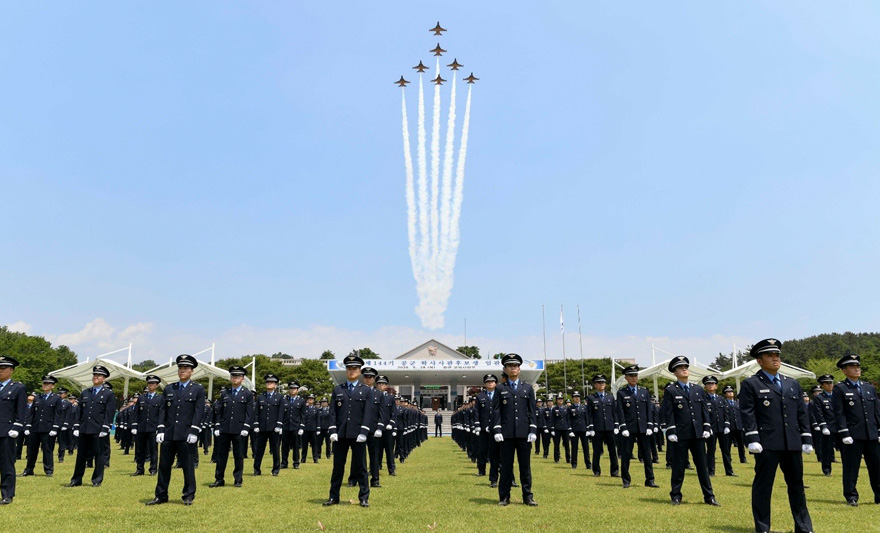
(696, 174)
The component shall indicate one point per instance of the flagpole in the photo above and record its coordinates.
(581, 343)
(564, 362)
(546, 370)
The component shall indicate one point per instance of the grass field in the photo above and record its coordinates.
(437, 485)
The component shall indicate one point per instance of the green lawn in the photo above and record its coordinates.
(436, 486)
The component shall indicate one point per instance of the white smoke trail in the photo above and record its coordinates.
(423, 185)
(435, 174)
(454, 231)
(410, 191)
(446, 187)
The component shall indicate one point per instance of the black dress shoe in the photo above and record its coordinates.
(156, 501)
(187, 501)
(351, 483)
(364, 503)
(676, 501)
(531, 502)
(375, 485)
(852, 503)
(330, 502)
(615, 474)
(713, 502)
(72, 484)
(50, 474)
(392, 472)
(217, 484)
(596, 474)
(96, 484)
(258, 473)
(626, 485)
(505, 502)
(514, 484)
(137, 474)
(652, 485)
(152, 472)
(494, 485)
(25, 474)
(731, 475)
(5, 501)
(296, 466)
(275, 473)
(237, 484)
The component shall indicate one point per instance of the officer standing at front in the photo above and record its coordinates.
(636, 425)
(777, 431)
(857, 410)
(687, 425)
(232, 423)
(13, 417)
(180, 420)
(603, 424)
(514, 426)
(351, 419)
(268, 423)
(42, 428)
(145, 425)
(579, 419)
(96, 410)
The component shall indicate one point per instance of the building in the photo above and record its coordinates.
(296, 361)
(435, 376)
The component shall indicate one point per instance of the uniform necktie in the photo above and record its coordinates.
(777, 383)
(2, 386)
(350, 387)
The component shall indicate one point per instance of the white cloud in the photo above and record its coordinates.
(20, 327)
(160, 344)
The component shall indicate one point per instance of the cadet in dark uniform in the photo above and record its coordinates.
(483, 422)
(542, 425)
(293, 427)
(438, 425)
(13, 417)
(603, 424)
(310, 429)
(72, 418)
(720, 428)
(857, 410)
(685, 411)
(232, 423)
(324, 430)
(636, 425)
(180, 419)
(63, 441)
(388, 408)
(96, 411)
(350, 421)
(144, 425)
(514, 426)
(579, 420)
(42, 428)
(374, 435)
(829, 436)
(817, 421)
(560, 428)
(268, 424)
(733, 415)
(777, 431)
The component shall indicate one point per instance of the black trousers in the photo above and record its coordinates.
(736, 436)
(792, 465)
(37, 442)
(644, 454)
(680, 451)
(495, 461)
(438, 430)
(851, 456)
(604, 438)
(374, 447)
(146, 447)
(386, 449)
(64, 443)
(562, 435)
(89, 446)
(262, 438)
(7, 467)
(485, 440)
(183, 452)
(521, 448)
(358, 459)
(726, 460)
(580, 437)
(19, 444)
(327, 446)
(826, 451)
(309, 438)
(537, 444)
(222, 445)
(290, 443)
(545, 441)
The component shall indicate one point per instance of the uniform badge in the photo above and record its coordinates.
(504, 401)
(766, 403)
(681, 406)
(627, 404)
(339, 404)
(852, 403)
(168, 403)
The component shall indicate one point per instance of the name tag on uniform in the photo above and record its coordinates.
(848, 393)
(764, 390)
(679, 397)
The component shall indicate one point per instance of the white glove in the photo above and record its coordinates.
(672, 438)
(706, 434)
(531, 438)
(102, 434)
(53, 433)
(278, 430)
(318, 432)
(244, 433)
(389, 427)
(377, 434)
(300, 432)
(394, 434)
(571, 434)
(546, 430)
(499, 437)
(625, 433)
(755, 447)
(552, 433)
(361, 438)
(616, 431)
(807, 448)
(649, 432)
(826, 431)
(256, 430)
(160, 438)
(192, 439)
(726, 431)
(878, 439)
(14, 434)
(216, 432)
(27, 432)
(334, 437)
(477, 432)
(847, 440)
(75, 433)
(134, 432)
(591, 433)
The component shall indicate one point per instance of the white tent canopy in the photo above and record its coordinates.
(168, 374)
(659, 370)
(749, 369)
(81, 373)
